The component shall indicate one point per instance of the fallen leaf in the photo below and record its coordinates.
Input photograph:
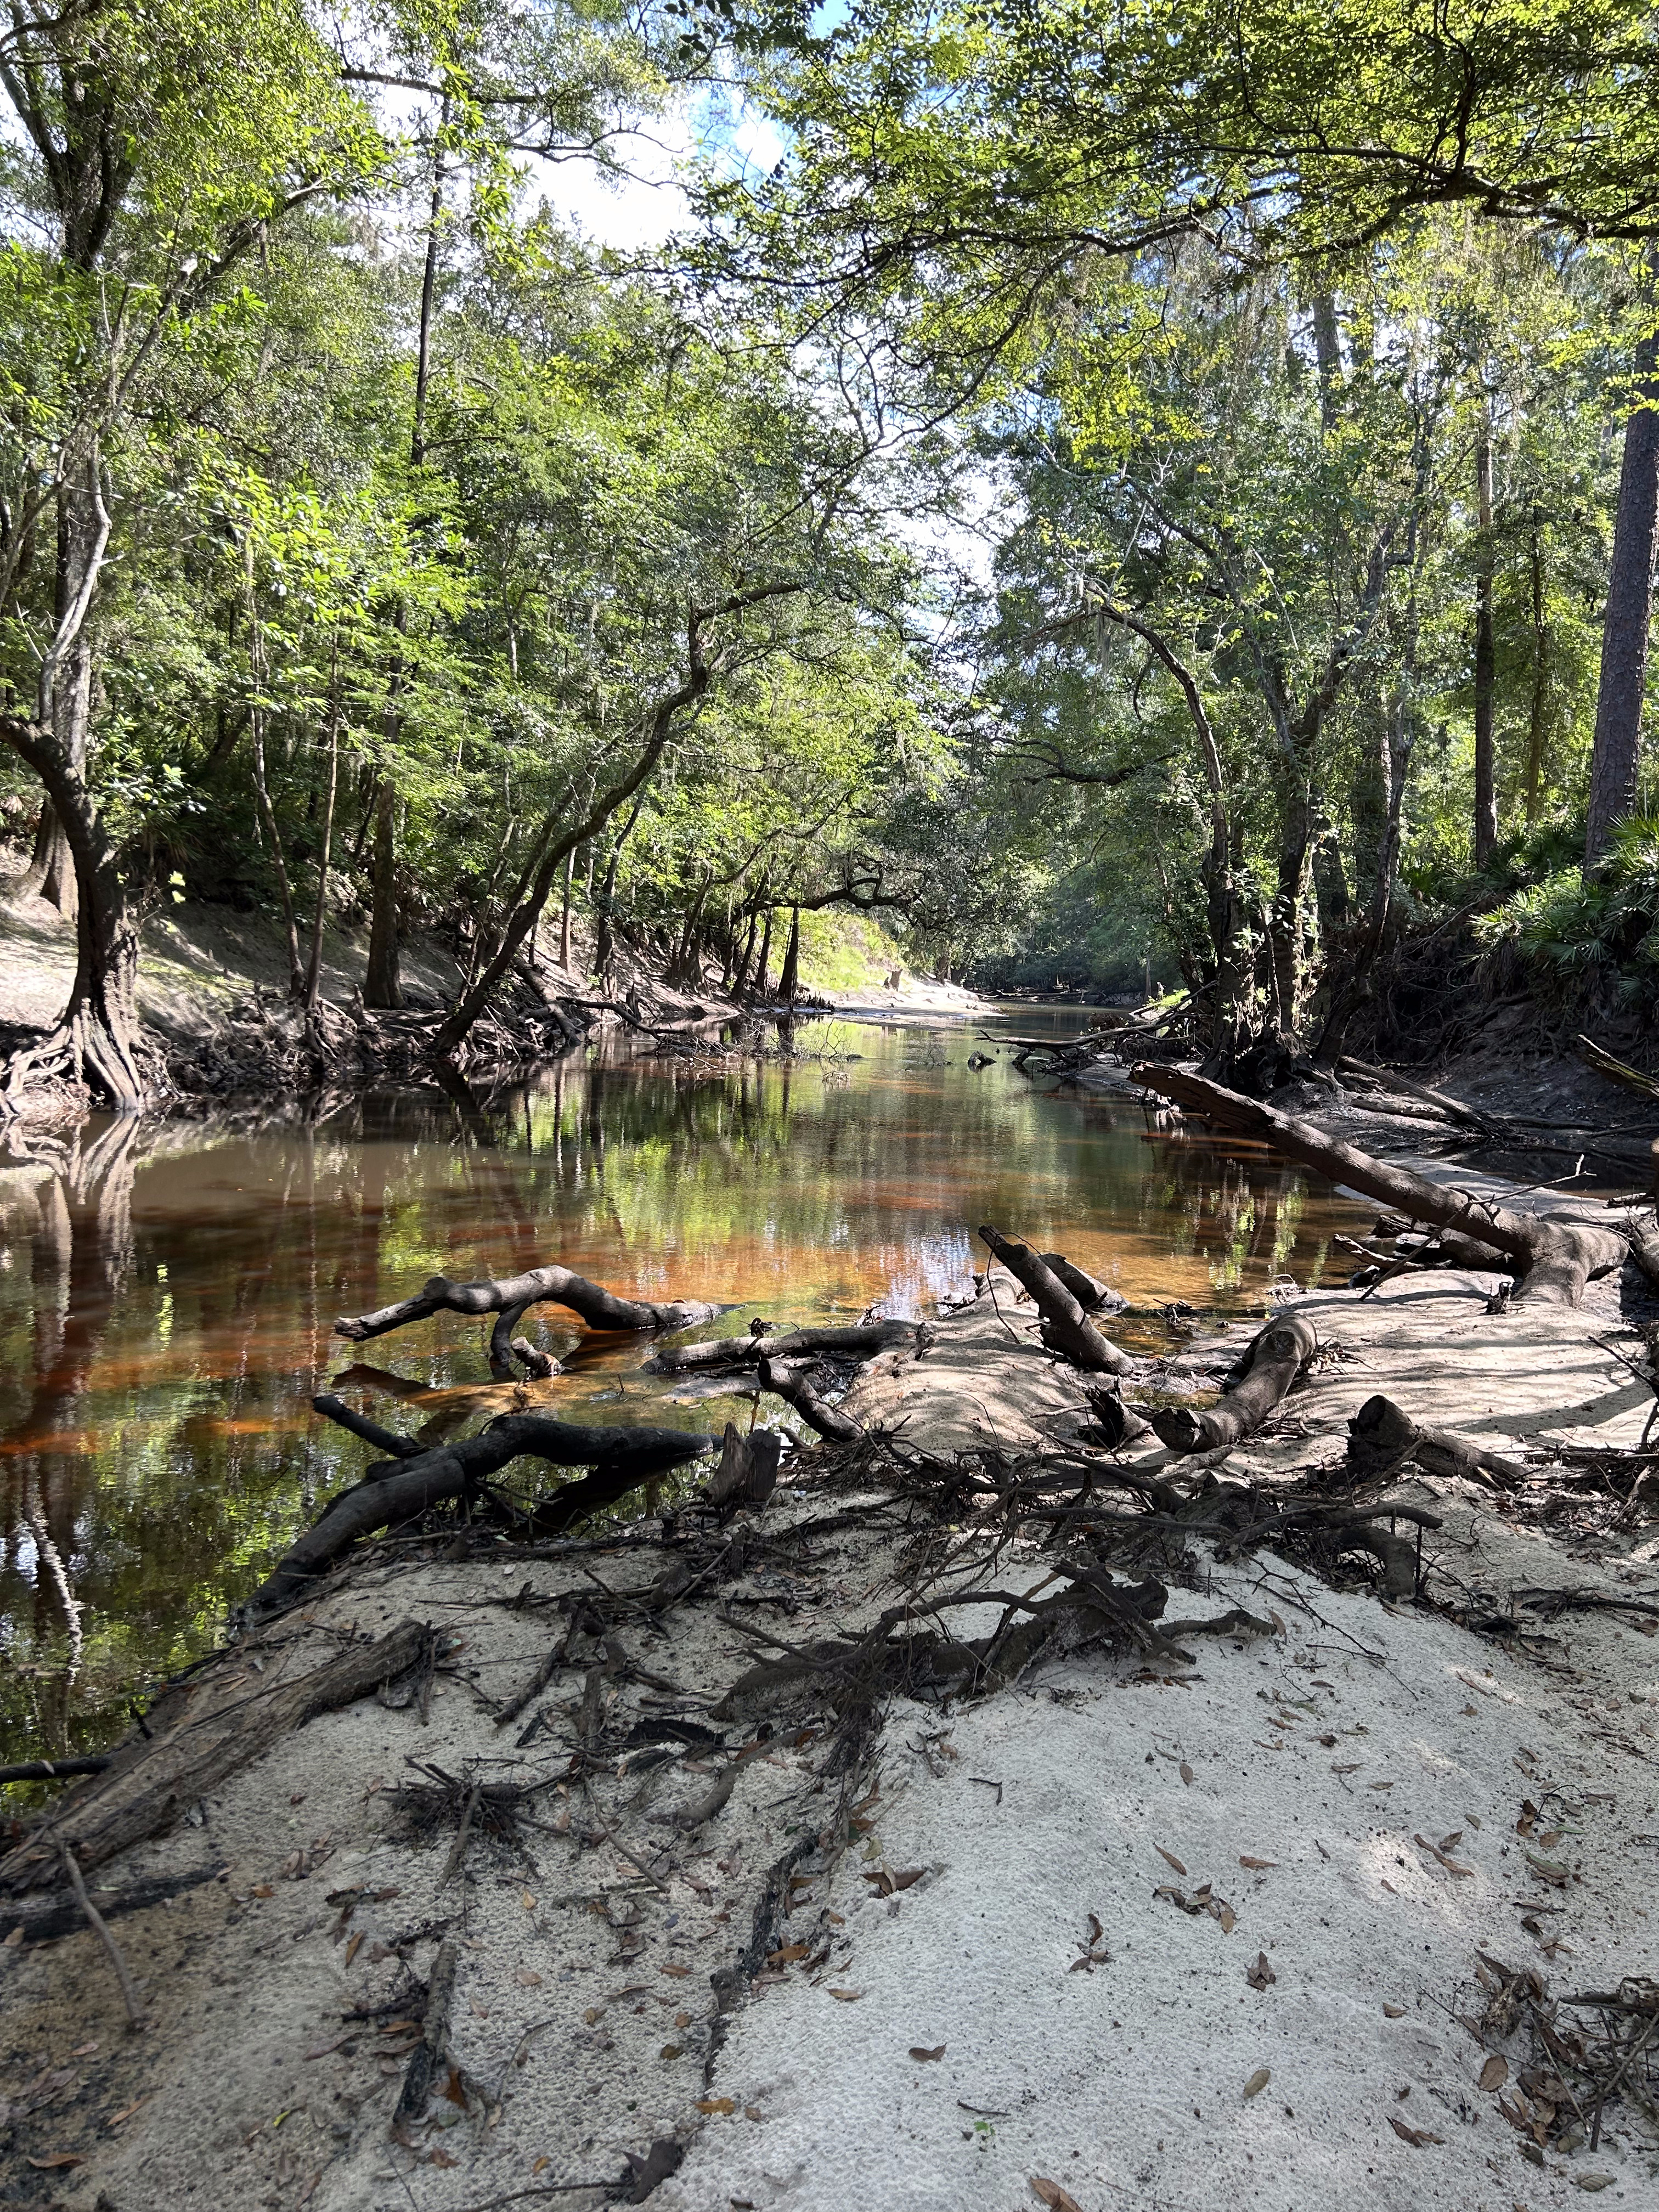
(916, 2051)
(1258, 2081)
(527, 1979)
(1280, 1628)
(1258, 1863)
(354, 1946)
(1353, 1769)
(1435, 1851)
(1593, 2180)
(126, 2112)
(670, 2050)
(262, 1889)
(1546, 1869)
(1379, 1786)
(1051, 2194)
(440, 2156)
(540, 2165)
(1260, 1975)
(835, 1919)
(682, 2020)
(1186, 1772)
(753, 2113)
(679, 1973)
(1169, 1858)
(1416, 2137)
(786, 1957)
(527, 1900)
(1495, 2072)
(846, 1996)
(1393, 2012)
(57, 2158)
(718, 2105)
(593, 2015)
(1221, 1911)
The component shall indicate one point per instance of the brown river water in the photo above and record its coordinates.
(168, 1290)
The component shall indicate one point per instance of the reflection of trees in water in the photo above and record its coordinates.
(81, 1249)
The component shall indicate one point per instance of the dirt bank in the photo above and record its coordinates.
(1178, 1930)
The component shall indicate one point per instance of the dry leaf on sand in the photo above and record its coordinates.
(1258, 2081)
(1051, 2194)
(916, 2051)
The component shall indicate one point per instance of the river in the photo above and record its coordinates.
(168, 1290)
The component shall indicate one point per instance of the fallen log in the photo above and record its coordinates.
(1270, 1362)
(44, 1918)
(55, 1769)
(403, 1489)
(1382, 1437)
(791, 1384)
(1553, 1257)
(1067, 1328)
(146, 1792)
(1391, 1078)
(509, 1297)
(861, 1341)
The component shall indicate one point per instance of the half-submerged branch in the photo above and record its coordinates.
(790, 1383)
(512, 1295)
(402, 1489)
(1553, 1259)
(1065, 1328)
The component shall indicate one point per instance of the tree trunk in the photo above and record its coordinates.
(1486, 657)
(789, 982)
(765, 957)
(96, 1040)
(1541, 680)
(314, 965)
(602, 936)
(1625, 626)
(564, 913)
(382, 986)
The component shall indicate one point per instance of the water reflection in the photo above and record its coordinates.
(167, 1293)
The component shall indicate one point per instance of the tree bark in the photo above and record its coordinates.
(1485, 655)
(1554, 1258)
(1625, 625)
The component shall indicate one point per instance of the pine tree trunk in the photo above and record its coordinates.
(1486, 659)
(1625, 627)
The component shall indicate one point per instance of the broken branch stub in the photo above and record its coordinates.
(1065, 1328)
(600, 1309)
(1273, 1360)
(1554, 1258)
(748, 1471)
(1382, 1436)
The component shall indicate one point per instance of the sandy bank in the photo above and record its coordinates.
(871, 1977)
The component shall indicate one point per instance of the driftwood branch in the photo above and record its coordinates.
(1271, 1360)
(1553, 1257)
(600, 1309)
(790, 1383)
(861, 1341)
(1065, 1328)
(400, 1491)
(112, 1950)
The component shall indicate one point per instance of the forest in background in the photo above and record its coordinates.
(1139, 490)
